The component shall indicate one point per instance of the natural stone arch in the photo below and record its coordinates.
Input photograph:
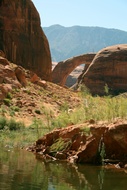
(108, 69)
(64, 68)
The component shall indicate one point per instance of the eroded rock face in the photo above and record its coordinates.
(116, 137)
(8, 79)
(64, 68)
(101, 142)
(108, 68)
(22, 38)
(14, 77)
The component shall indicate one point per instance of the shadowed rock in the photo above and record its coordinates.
(22, 38)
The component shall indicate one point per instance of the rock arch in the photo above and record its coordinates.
(108, 68)
(64, 68)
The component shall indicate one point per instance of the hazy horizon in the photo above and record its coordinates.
(107, 14)
(83, 26)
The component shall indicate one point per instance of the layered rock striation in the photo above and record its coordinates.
(22, 38)
(107, 70)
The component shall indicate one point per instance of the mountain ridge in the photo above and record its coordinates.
(66, 42)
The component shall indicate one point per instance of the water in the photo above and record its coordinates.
(20, 170)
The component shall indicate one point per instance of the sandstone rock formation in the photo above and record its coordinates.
(64, 68)
(8, 79)
(14, 77)
(86, 143)
(20, 74)
(108, 68)
(22, 38)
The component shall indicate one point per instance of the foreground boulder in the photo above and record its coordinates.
(85, 143)
(22, 38)
(108, 69)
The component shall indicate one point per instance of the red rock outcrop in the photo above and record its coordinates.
(8, 79)
(20, 74)
(13, 76)
(86, 143)
(109, 67)
(64, 68)
(22, 38)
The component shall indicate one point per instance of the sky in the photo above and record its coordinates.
(102, 13)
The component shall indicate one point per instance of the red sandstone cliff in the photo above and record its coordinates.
(108, 68)
(22, 38)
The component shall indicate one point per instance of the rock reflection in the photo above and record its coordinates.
(84, 177)
(20, 169)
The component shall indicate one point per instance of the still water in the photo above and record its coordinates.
(21, 170)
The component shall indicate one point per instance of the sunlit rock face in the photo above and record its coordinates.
(108, 69)
(22, 38)
(102, 142)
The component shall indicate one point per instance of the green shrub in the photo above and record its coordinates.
(61, 121)
(59, 145)
(86, 130)
(9, 95)
(2, 122)
(7, 101)
(13, 125)
(15, 108)
(3, 110)
(84, 90)
(38, 112)
(64, 107)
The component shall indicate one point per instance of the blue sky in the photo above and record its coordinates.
(103, 13)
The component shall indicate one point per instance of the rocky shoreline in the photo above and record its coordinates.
(88, 143)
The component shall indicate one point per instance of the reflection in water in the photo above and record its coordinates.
(19, 170)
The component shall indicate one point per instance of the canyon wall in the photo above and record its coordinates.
(22, 38)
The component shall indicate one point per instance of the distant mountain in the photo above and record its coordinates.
(66, 42)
